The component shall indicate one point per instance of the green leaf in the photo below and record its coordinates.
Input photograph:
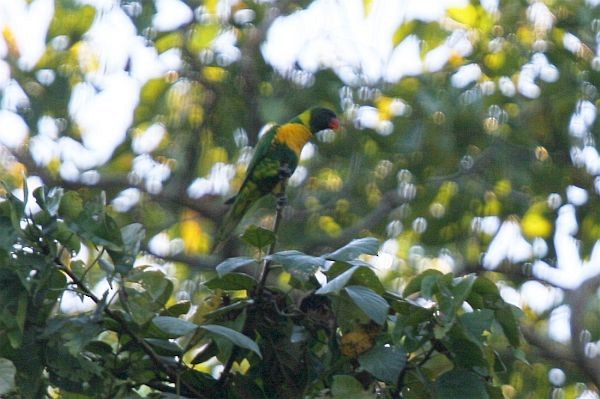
(415, 285)
(466, 353)
(429, 286)
(452, 293)
(335, 285)
(8, 234)
(384, 362)
(508, 322)
(67, 237)
(230, 264)
(462, 286)
(460, 384)
(53, 200)
(21, 313)
(140, 306)
(232, 282)
(181, 307)
(205, 353)
(49, 202)
(354, 248)
(369, 302)
(495, 392)
(165, 347)
(258, 237)
(173, 326)
(71, 19)
(71, 205)
(485, 293)
(366, 276)
(7, 376)
(73, 333)
(520, 355)
(106, 266)
(235, 337)
(132, 236)
(40, 197)
(477, 322)
(298, 264)
(17, 207)
(156, 285)
(346, 387)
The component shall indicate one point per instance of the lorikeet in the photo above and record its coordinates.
(278, 150)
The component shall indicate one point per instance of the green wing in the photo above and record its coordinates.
(250, 191)
(261, 151)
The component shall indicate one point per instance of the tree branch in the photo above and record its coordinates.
(202, 263)
(285, 174)
(390, 200)
(580, 336)
(205, 206)
(547, 347)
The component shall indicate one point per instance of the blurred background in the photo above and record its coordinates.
(469, 140)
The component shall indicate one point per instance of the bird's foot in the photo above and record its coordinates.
(284, 172)
(282, 199)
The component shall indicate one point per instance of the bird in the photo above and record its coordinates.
(275, 158)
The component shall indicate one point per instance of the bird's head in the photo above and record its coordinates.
(321, 119)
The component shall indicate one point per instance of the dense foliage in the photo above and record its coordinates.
(442, 245)
(291, 339)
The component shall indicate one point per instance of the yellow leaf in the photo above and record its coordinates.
(456, 59)
(152, 90)
(356, 342)
(241, 367)
(207, 305)
(211, 6)
(169, 41)
(71, 20)
(214, 74)
(535, 223)
(330, 180)
(525, 35)
(503, 188)
(383, 104)
(195, 240)
(202, 36)
(371, 147)
(403, 31)
(466, 15)
(495, 60)
(11, 41)
(492, 206)
(329, 225)
(368, 6)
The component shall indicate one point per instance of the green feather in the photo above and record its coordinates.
(279, 146)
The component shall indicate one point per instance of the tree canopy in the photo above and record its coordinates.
(442, 245)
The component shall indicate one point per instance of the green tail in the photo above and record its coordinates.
(247, 196)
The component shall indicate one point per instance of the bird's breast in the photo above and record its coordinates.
(294, 136)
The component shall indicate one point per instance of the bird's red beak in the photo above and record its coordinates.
(334, 124)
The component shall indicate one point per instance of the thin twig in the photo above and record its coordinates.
(200, 263)
(284, 174)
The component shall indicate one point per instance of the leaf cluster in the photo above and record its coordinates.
(322, 326)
